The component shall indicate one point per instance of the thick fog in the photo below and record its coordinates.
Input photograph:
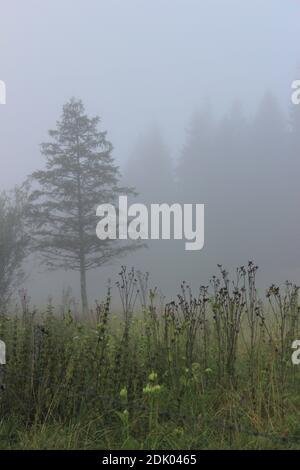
(195, 96)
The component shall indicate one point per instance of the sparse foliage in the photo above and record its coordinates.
(14, 243)
(80, 174)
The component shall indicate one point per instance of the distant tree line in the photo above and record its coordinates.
(246, 171)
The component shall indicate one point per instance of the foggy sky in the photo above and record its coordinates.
(137, 64)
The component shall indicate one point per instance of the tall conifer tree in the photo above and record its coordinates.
(80, 174)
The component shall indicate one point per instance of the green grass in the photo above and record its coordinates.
(206, 372)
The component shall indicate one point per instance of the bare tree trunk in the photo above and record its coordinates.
(84, 300)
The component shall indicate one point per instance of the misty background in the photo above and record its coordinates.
(195, 96)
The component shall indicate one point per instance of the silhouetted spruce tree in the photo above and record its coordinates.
(150, 168)
(293, 175)
(80, 174)
(196, 167)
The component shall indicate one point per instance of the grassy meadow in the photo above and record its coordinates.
(210, 370)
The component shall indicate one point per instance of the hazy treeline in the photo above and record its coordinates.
(246, 171)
